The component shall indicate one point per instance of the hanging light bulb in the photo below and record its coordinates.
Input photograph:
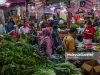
(94, 8)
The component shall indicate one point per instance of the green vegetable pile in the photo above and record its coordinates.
(74, 26)
(67, 69)
(97, 34)
(17, 57)
(84, 50)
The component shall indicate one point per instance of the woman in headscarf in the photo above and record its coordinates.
(15, 32)
(47, 42)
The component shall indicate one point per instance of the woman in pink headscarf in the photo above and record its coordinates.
(47, 41)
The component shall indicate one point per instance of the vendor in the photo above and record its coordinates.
(88, 33)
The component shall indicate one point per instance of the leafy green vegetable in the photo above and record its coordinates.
(66, 69)
(74, 26)
(97, 34)
(17, 57)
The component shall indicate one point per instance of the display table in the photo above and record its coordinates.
(95, 47)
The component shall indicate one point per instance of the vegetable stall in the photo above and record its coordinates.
(17, 57)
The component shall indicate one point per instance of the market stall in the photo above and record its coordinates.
(24, 51)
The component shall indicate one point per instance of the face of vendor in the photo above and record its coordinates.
(89, 24)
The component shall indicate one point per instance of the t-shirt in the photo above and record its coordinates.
(89, 30)
(53, 22)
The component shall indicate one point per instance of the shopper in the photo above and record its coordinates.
(54, 22)
(56, 38)
(10, 25)
(88, 33)
(15, 32)
(33, 32)
(21, 23)
(24, 29)
(46, 41)
(69, 41)
(43, 24)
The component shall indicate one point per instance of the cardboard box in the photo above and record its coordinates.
(91, 67)
(97, 68)
(87, 67)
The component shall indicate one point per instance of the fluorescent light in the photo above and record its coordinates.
(8, 4)
(64, 9)
(32, 7)
(2, 1)
(94, 9)
(53, 8)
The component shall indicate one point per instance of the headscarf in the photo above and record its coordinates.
(46, 32)
(16, 28)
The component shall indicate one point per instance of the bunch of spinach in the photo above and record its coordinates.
(17, 57)
(66, 69)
